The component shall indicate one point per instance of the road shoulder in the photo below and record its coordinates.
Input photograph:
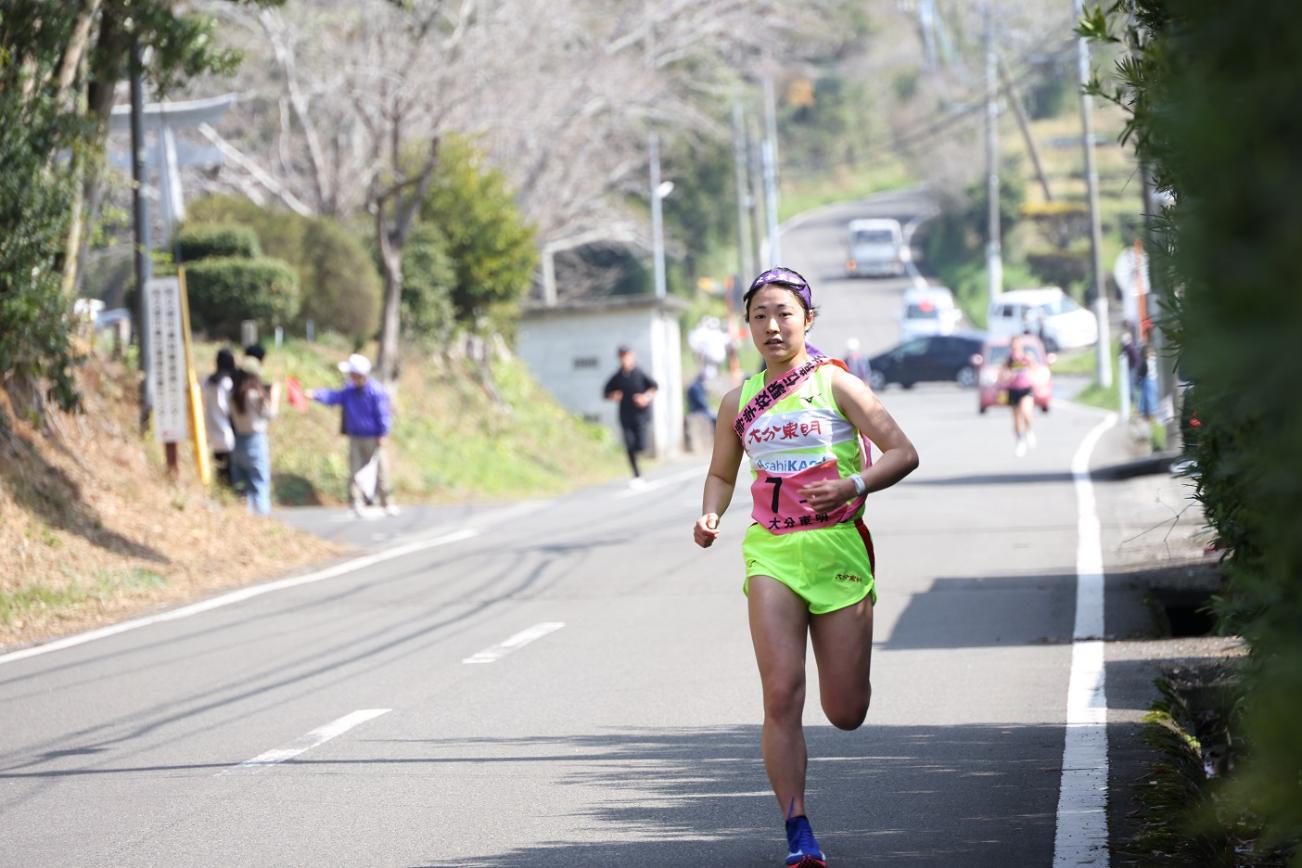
(1154, 542)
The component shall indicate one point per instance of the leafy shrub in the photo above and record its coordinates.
(210, 240)
(279, 232)
(340, 286)
(339, 283)
(1208, 80)
(491, 246)
(428, 276)
(35, 326)
(225, 290)
(1056, 268)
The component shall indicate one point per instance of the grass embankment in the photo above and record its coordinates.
(92, 531)
(1186, 812)
(1059, 227)
(802, 191)
(452, 439)
(1081, 363)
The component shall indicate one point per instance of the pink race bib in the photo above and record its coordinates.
(780, 507)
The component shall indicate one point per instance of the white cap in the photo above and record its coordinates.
(356, 364)
(852, 345)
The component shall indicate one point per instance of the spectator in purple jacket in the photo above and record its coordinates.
(366, 422)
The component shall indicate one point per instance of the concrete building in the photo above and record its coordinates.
(570, 348)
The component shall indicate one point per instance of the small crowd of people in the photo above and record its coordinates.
(238, 405)
(240, 400)
(1141, 359)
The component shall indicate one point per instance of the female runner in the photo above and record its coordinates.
(1018, 373)
(808, 555)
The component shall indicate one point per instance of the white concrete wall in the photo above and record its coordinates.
(572, 354)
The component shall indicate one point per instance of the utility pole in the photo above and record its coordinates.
(994, 251)
(769, 155)
(657, 221)
(758, 220)
(140, 225)
(744, 251)
(1103, 356)
(1015, 102)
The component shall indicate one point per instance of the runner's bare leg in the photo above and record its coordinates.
(779, 621)
(843, 647)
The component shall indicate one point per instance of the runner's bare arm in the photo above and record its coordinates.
(866, 413)
(722, 478)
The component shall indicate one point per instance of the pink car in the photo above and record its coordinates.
(992, 375)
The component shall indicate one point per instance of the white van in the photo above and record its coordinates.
(928, 311)
(1049, 313)
(876, 248)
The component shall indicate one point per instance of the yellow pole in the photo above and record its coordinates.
(194, 399)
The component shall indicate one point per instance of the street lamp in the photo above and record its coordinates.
(659, 190)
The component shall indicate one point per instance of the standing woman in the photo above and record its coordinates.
(808, 555)
(253, 403)
(217, 414)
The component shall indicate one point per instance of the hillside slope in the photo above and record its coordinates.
(92, 530)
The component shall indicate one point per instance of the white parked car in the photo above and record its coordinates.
(876, 247)
(1049, 313)
(929, 311)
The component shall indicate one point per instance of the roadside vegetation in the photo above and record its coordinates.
(93, 530)
(1226, 259)
(1045, 242)
(458, 434)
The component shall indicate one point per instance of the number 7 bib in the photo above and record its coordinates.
(781, 508)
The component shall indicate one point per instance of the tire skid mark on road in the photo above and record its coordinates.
(306, 742)
(1081, 836)
(515, 643)
(344, 568)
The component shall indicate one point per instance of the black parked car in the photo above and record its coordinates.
(929, 358)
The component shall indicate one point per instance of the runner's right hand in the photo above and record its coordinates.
(706, 530)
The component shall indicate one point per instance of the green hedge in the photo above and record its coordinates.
(341, 287)
(226, 290)
(1214, 91)
(340, 283)
(211, 240)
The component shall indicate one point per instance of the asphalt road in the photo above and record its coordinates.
(430, 709)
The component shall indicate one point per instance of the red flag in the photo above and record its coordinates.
(295, 395)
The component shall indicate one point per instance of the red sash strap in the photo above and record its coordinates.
(775, 391)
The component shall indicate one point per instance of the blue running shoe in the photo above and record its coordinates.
(803, 848)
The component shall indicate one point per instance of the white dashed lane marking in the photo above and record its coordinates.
(305, 743)
(515, 643)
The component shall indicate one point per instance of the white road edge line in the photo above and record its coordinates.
(1081, 836)
(648, 487)
(305, 743)
(239, 596)
(515, 643)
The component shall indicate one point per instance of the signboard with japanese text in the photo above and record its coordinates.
(167, 367)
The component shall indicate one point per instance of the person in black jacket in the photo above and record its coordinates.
(634, 390)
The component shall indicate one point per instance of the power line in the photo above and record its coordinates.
(964, 112)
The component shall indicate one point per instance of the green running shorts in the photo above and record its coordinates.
(828, 567)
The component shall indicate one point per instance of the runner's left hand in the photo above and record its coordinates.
(828, 495)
